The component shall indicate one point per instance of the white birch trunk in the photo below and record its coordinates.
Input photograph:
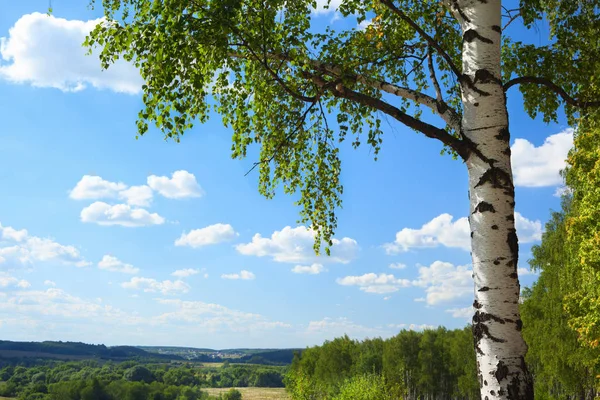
(497, 323)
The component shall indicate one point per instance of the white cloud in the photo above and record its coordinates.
(341, 326)
(184, 273)
(322, 5)
(373, 283)
(113, 264)
(444, 282)
(412, 327)
(120, 214)
(439, 231)
(541, 166)
(46, 51)
(10, 233)
(243, 275)
(528, 231)
(313, 269)
(181, 185)
(152, 285)
(562, 190)
(54, 302)
(462, 313)
(213, 317)
(525, 271)
(49, 283)
(364, 24)
(137, 195)
(10, 281)
(212, 234)
(443, 231)
(295, 245)
(20, 247)
(397, 266)
(92, 187)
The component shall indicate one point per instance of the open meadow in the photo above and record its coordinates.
(254, 393)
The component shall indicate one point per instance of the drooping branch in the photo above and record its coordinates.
(447, 113)
(431, 131)
(552, 86)
(430, 40)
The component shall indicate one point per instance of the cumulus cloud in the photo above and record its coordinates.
(462, 313)
(181, 185)
(373, 283)
(19, 247)
(7, 281)
(49, 283)
(137, 195)
(212, 234)
(443, 231)
(540, 166)
(152, 285)
(184, 273)
(412, 327)
(313, 269)
(295, 245)
(46, 51)
(243, 275)
(120, 214)
(92, 187)
(113, 264)
(397, 266)
(444, 282)
(214, 317)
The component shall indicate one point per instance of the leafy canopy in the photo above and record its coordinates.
(277, 79)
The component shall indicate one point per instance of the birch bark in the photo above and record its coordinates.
(497, 324)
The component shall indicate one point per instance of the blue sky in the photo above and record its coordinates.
(109, 239)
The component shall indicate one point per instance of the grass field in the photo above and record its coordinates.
(252, 393)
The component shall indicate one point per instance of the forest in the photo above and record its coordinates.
(130, 380)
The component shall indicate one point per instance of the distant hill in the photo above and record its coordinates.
(77, 351)
(250, 356)
(81, 351)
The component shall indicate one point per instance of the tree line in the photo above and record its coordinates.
(129, 380)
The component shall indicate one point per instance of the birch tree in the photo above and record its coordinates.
(298, 91)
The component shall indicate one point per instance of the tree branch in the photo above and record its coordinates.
(552, 86)
(431, 41)
(431, 131)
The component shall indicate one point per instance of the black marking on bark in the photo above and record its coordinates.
(497, 28)
(499, 259)
(485, 76)
(471, 34)
(493, 392)
(481, 316)
(484, 289)
(495, 227)
(477, 305)
(485, 383)
(510, 217)
(501, 392)
(496, 177)
(484, 206)
(519, 325)
(503, 135)
(472, 234)
(506, 151)
(480, 330)
(514, 275)
(479, 351)
(480, 380)
(501, 371)
(513, 244)
(475, 104)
